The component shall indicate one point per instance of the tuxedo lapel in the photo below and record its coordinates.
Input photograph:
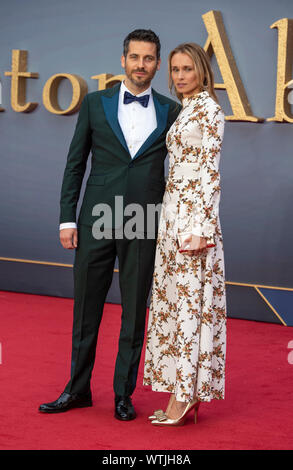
(110, 101)
(110, 105)
(161, 114)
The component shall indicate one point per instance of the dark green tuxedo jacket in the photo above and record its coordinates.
(113, 171)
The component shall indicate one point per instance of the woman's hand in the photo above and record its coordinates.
(193, 245)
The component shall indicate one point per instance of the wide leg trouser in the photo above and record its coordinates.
(93, 272)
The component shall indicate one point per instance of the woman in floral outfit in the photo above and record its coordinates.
(186, 338)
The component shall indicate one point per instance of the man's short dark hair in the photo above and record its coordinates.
(146, 35)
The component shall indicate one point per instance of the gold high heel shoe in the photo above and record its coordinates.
(156, 414)
(163, 420)
(159, 413)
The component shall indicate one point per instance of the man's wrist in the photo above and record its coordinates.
(67, 225)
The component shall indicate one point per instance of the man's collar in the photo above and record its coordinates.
(124, 88)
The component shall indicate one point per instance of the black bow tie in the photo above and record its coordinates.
(129, 98)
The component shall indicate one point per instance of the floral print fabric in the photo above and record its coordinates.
(186, 337)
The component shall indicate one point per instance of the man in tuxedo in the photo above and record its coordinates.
(125, 129)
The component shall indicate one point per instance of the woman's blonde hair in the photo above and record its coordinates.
(202, 66)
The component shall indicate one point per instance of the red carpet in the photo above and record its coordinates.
(35, 334)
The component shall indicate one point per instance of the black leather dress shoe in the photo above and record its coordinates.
(67, 401)
(124, 409)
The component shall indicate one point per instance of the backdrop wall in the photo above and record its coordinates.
(85, 38)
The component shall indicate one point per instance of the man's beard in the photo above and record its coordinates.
(144, 81)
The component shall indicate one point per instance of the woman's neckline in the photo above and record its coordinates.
(188, 99)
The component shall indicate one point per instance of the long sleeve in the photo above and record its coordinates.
(76, 165)
(206, 207)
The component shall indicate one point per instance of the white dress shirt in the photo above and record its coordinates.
(136, 122)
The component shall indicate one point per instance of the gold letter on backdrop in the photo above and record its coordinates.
(18, 76)
(284, 70)
(218, 43)
(107, 80)
(50, 93)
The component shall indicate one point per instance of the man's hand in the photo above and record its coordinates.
(68, 238)
(193, 245)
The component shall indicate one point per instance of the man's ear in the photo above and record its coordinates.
(159, 64)
(123, 61)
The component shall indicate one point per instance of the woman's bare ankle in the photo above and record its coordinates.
(171, 400)
(176, 409)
